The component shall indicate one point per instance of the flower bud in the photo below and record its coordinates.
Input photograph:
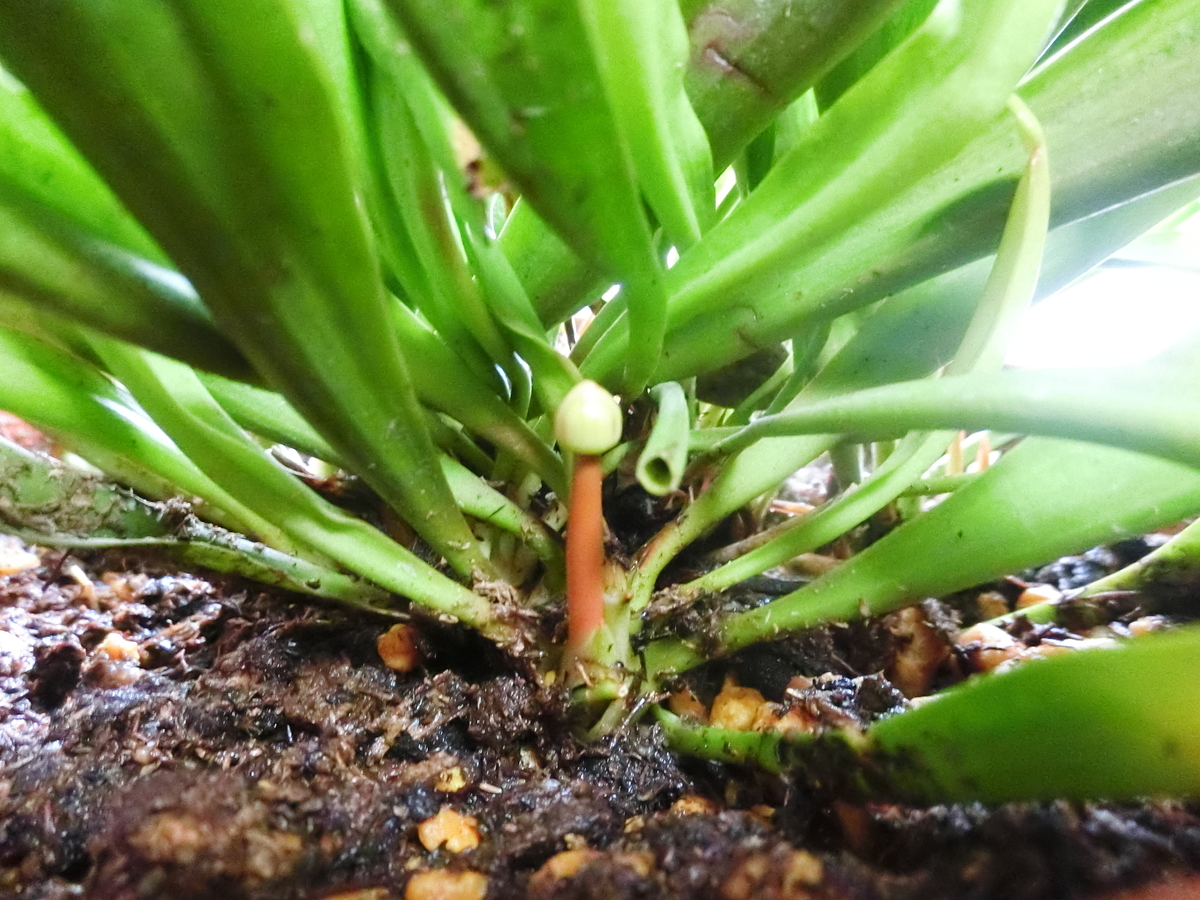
(588, 420)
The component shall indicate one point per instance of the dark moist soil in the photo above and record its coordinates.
(164, 735)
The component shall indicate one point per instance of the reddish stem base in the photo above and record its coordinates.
(585, 554)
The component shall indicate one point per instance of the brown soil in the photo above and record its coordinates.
(164, 735)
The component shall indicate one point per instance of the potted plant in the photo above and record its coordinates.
(482, 257)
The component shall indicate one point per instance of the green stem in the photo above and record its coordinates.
(757, 748)
(944, 484)
(1165, 575)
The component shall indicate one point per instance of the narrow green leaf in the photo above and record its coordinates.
(1045, 499)
(553, 374)
(762, 395)
(48, 503)
(1166, 576)
(524, 78)
(176, 398)
(98, 420)
(761, 468)
(1152, 409)
(268, 415)
(1082, 244)
(793, 123)
(1084, 98)
(641, 47)
(750, 58)
(1078, 18)
(69, 247)
(756, 748)
(52, 265)
(807, 350)
(36, 158)
(1014, 275)
(1042, 731)
(1006, 295)
(557, 280)
(221, 128)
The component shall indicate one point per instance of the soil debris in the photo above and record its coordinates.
(167, 736)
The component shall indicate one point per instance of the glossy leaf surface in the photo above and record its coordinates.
(225, 133)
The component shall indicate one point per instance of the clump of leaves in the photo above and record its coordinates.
(247, 245)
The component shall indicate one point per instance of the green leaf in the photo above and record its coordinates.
(1014, 275)
(177, 399)
(524, 77)
(557, 281)
(1167, 576)
(268, 415)
(553, 374)
(37, 159)
(223, 130)
(1079, 17)
(1045, 730)
(1086, 242)
(1006, 295)
(1112, 724)
(750, 58)
(49, 264)
(48, 503)
(1045, 499)
(805, 533)
(71, 249)
(1153, 409)
(641, 47)
(911, 113)
(98, 420)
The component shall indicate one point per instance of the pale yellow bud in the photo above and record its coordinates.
(588, 420)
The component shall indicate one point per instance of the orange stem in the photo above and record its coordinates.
(954, 455)
(983, 456)
(585, 554)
